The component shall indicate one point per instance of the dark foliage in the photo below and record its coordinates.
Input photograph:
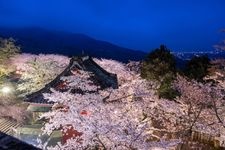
(197, 67)
(160, 65)
(166, 91)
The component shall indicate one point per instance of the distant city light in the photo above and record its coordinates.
(6, 90)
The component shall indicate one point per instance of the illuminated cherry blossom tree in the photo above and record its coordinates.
(37, 70)
(131, 116)
(204, 105)
(108, 119)
(8, 49)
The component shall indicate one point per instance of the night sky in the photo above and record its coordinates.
(138, 24)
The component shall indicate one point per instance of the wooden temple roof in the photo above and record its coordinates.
(101, 77)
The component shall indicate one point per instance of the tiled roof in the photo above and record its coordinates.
(7, 125)
(36, 108)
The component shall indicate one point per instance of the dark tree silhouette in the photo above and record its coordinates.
(197, 67)
(160, 66)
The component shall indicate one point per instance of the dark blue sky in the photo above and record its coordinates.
(188, 25)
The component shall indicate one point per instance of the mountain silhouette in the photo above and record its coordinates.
(38, 40)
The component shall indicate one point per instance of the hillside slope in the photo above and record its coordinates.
(37, 40)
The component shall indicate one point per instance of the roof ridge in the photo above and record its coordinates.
(85, 63)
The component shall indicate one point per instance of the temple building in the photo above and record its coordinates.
(38, 105)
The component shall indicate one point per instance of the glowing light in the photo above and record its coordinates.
(6, 90)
